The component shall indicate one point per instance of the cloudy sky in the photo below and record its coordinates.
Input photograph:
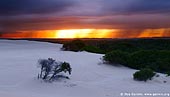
(129, 16)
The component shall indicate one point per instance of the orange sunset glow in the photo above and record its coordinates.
(72, 33)
(84, 33)
(87, 33)
(154, 33)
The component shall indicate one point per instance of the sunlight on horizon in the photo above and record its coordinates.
(153, 33)
(88, 33)
(84, 33)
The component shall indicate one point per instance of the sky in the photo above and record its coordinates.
(74, 18)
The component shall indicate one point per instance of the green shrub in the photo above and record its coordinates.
(168, 73)
(133, 45)
(116, 57)
(124, 46)
(157, 60)
(75, 45)
(143, 75)
(93, 49)
(164, 65)
(141, 59)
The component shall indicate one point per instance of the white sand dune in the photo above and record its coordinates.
(90, 78)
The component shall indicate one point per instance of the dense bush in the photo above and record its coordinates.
(116, 57)
(93, 49)
(133, 45)
(168, 73)
(143, 75)
(79, 45)
(50, 69)
(134, 53)
(125, 47)
(75, 45)
(157, 60)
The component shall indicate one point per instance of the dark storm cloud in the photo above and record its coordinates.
(137, 6)
(86, 22)
(79, 14)
(18, 7)
(151, 6)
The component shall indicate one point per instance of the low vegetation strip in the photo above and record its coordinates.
(133, 53)
(157, 60)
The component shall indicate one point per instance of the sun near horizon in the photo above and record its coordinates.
(86, 33)
(65, 33)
